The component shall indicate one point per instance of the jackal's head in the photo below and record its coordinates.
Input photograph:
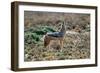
(63, 27)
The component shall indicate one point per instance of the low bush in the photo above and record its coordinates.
(33, 35)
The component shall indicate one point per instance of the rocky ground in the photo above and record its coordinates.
(76, 46)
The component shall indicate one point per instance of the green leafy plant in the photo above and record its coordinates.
(33, 35)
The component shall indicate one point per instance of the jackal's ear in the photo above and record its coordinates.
(63, 24)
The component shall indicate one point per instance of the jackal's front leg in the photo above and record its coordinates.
(61, 44)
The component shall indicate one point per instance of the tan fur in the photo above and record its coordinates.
(49, 39)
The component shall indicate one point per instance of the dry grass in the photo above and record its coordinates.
(76, 44)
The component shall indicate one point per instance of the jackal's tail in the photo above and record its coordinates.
(46, 41)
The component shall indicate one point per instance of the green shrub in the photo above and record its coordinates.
(33, 35)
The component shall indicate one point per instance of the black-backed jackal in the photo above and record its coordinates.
(59, 36)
